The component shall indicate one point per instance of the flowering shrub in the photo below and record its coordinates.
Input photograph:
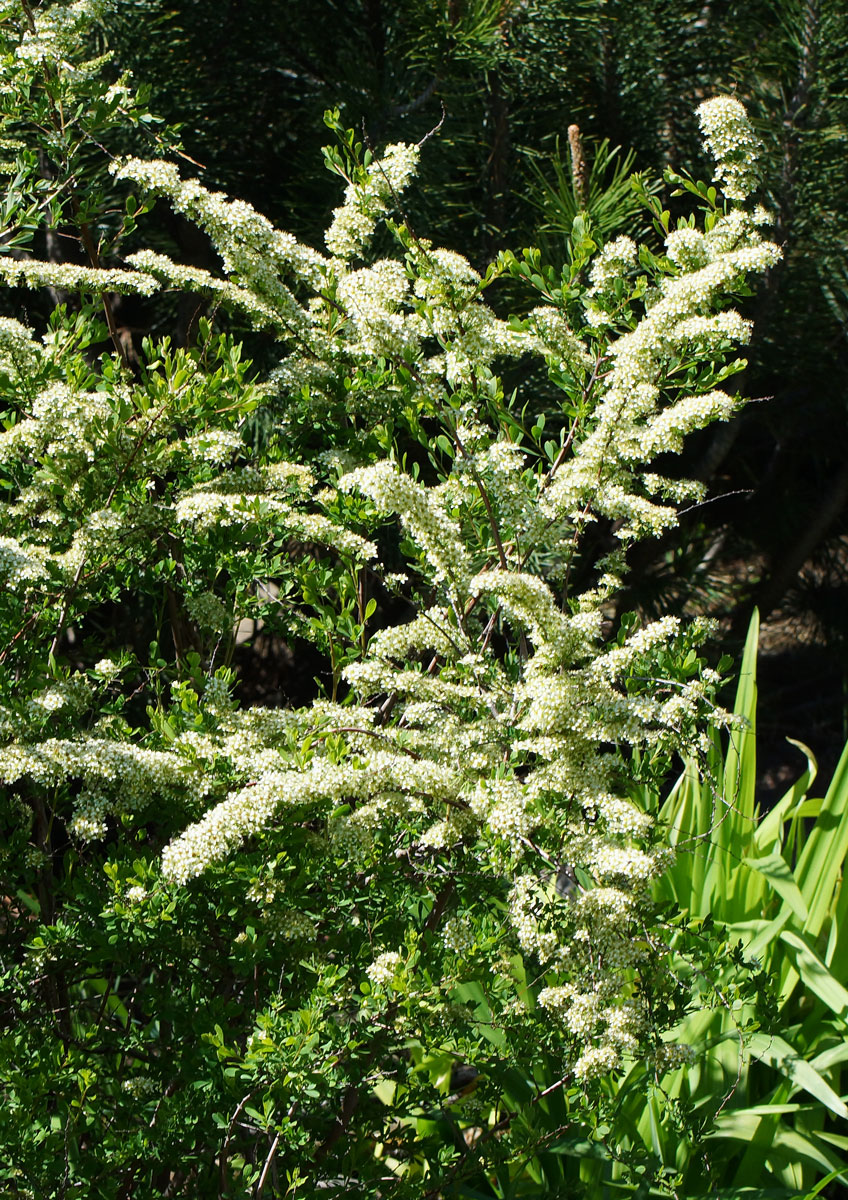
(253, 946)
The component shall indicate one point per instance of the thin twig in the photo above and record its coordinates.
(435, 128)
(229, 1134)
(260, 1187)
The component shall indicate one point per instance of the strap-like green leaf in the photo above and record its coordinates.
(815, 975)
(779, 1054)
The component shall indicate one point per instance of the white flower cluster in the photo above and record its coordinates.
(19, 564)
(670, 1055)
(624, 1026)
(628, 865)
(69, 428)
(501, 467)
(193, 279)
(733, 144)
(270, 495)
(668, 431)
(621, 817)
(383, 969)
(70, 696)
(252, 250)
(558, 342)
(530, 601)
(141, 1087)
(525, 914)
(605, 916)
(89, 820)
(613, 663)
(368, 200)
(457, 827)
(608, 1027)
(372, 297)
(597, 1062)
(117, 776)
(19, 354)
(687, 248)
(434, 630)
(458, 935)
(579, 1011)
(677, 490)
(630, 428)
(384, 782)
(299, 373)
(444, 275)
(503, 805)
(421, 511)
(29, 273)
(217, 447)
(613, 261)
(712, 332)
(63, 424)
(107, 669)
(450, 311)
(104, 531)
(57, 29)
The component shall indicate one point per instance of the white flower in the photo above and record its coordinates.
(384, 968)
(733, 144)
(598, 1061)
(20, 564)
(366, 202)
(422, 513)
(458, 935)
(612, 262)
(669, 1056)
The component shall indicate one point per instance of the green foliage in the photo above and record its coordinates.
(512, 78)
(764, 1104)
(600, 191)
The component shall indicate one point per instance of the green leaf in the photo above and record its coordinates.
(815, 975)
(776, 870)
(820, 864)
(385, 1091)
(779, 1054)
(821, 1185)
(768, 835)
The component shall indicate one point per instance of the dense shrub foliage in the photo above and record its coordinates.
(404, 940)
(515, 79)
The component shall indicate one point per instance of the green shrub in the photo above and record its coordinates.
(263, 950)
